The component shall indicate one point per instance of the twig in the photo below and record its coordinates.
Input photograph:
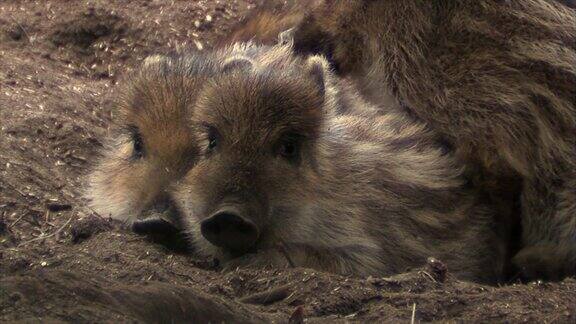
(268, 297)
(42, 237)
(429, 276)
(17, 220)
(22, 28)
(413, 320)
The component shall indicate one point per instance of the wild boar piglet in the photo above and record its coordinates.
(266, 159)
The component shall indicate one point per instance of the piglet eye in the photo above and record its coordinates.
(289, 148)
(213, 138)
(138, 143)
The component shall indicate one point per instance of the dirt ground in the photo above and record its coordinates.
(60, 62)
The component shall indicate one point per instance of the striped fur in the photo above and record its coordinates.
(496, 79)
(373, 192)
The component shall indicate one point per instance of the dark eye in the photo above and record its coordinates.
(213, 138)
(138, 143)
(290, 148)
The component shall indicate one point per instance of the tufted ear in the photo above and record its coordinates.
(286, 37)
(237, 63)
(319, 69)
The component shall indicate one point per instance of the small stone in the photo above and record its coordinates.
(297, 316)
(85, 228)
(438, 269)
(199, 45)
(377, 282)
(57, 207)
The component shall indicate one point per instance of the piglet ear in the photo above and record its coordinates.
(319, 69)
(286, 37)
(237, 63)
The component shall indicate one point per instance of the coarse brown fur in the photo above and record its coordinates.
(369, 191)
(270, 18)
(497, 79)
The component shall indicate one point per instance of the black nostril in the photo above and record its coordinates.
(229, 230)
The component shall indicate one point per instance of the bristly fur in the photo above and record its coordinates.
(496, 79)
(263, 25)
(373, 191)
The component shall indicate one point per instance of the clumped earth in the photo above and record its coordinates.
(60, 62)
